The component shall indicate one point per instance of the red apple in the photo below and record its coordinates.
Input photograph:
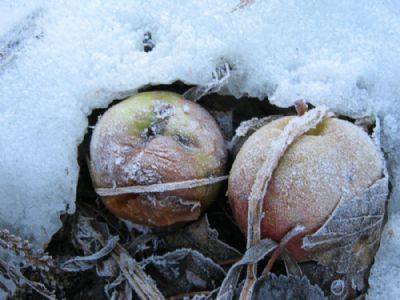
(333, 161)
(157, 137)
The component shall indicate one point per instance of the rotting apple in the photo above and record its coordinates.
(152, 138)
(336, 160)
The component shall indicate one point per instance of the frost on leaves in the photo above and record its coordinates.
(285, 287)
(350, 237)
(17, 256)
(199, 236)
(183, 271)
(252, 256)
(83, 263)
(94, 236)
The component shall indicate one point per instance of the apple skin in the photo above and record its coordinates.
(333, 161)
(157, 137)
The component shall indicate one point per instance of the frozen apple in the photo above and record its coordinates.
(156, 138)
(334, 161)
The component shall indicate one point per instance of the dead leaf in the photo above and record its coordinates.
(285, 287)
(245, 130)
(7, 286)
(345, 286)
(18, 279)
(183, 271)
(93, 234)
(291, 266)
(349, 239)
(199, 236)
(83, 263)
(107, 268)
(253, 255)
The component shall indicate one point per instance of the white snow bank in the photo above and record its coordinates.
(82, 54)
(384, 278)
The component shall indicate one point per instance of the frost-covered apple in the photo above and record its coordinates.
(153, 138)
(336, 160)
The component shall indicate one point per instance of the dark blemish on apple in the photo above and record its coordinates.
(183, 140)
(155, 129)
(163, 112)
(147, 134)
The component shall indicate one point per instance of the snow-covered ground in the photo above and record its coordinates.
(59, 61)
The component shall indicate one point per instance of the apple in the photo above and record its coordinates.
(152, 138)
(335, 160)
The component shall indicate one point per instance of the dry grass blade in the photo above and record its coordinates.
(142, 284)
(131, 271)
(82, 263)
(199, 236)
(295, 129)
(160, 187)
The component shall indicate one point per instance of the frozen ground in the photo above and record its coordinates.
(59, 61)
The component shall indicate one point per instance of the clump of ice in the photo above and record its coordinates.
(83, 54)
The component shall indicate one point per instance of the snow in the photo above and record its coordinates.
(14, 11)
(83, 54)
(384, 276)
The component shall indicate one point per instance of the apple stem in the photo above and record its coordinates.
(301, 107)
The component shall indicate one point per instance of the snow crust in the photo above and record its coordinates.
(83, 54)
(384, 277)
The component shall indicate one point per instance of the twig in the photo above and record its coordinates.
(160, 187)
(298, 229)
(295, 129)
(252, 256)
(142, 284)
